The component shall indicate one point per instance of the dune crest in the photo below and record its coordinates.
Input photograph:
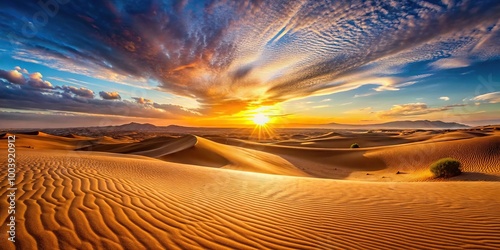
(194, 150)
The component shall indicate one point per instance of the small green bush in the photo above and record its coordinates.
(354, 145)
(446, 167)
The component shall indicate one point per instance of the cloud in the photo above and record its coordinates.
(320, 106)
(55, 119)
(363, 95)
(24, 71)
(236, 55)
(450, 63)
(81, 100)
(83, 92)
(493, 97)
(73, 81)
(141, 100)
(33, 80)
(110, 95)
(359, 111)
(13, 76)
(444, 98)
(414, 109)
(393, 86)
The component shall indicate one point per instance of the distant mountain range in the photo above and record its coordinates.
(134, 126)
(419, 124)
(176, 129)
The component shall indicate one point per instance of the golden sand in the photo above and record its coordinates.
(194, 193)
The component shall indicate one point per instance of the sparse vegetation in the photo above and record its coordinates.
(354, 145)
(446, 167)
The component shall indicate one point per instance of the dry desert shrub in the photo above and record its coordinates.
(446, 167)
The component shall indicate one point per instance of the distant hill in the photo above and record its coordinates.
(134, 126)
(146, 127)
(419, 124)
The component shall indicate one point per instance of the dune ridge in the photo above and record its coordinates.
(194, 150)
(479, 153)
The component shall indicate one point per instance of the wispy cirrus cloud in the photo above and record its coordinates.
(450, 63)
(414, 109)
(363, 95)
(393, 87)
(320, 106)
(493, 97)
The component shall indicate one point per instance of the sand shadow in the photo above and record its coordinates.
(475, 176)
(319, 162)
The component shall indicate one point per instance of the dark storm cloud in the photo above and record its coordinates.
(232, 54)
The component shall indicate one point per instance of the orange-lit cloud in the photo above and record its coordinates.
(110, 95)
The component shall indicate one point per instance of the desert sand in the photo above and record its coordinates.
(305, 192)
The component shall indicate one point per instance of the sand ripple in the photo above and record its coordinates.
(82, 200)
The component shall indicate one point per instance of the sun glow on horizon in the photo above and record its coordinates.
(260, 119)
(262, 129)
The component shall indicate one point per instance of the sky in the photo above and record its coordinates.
(68, 63)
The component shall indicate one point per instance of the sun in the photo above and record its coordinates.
(260, 119)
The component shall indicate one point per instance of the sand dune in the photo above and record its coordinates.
(479, 153)
(333, 140)
(90, 200)
(195, 150)
(79, 137)
(172, 192)
(40, 140)
(154, 147)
